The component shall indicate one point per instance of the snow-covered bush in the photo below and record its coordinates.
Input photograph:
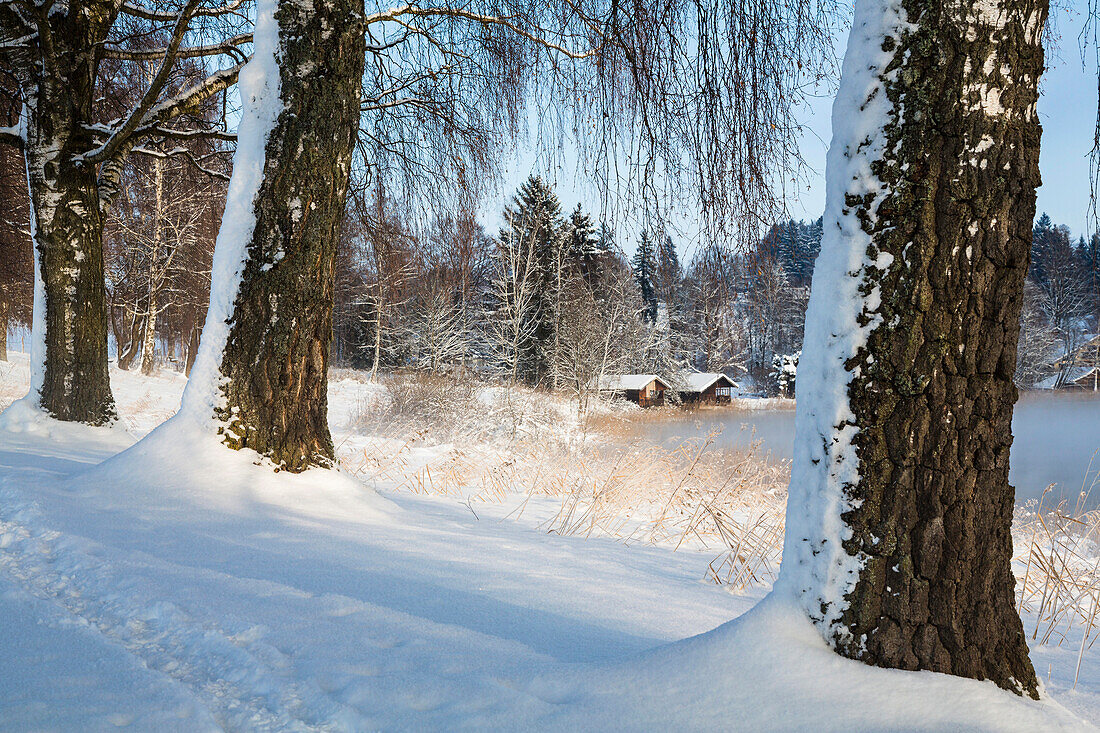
(784, 371)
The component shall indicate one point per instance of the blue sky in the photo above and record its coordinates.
(1067, 110)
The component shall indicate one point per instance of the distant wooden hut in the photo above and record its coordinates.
(706, 388)
(1082, 378)
(1080, 369)
(645, 390)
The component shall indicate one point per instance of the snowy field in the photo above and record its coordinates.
(205, 593)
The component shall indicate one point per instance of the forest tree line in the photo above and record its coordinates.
(551, 300)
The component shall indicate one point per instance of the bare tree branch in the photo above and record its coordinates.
(154, 116)
(140, 11)
(187, 155)
(229, 46)
(137, 114)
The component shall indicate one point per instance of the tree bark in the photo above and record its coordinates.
(5, 310)
(128, 355)
(928, 228)
(68, 224)
(68, 236)
(377, 334)
(149, 338)
(276, 357)
(192, 349)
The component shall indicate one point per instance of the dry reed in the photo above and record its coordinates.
(693, 494)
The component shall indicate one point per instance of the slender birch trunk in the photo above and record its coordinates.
(149, 339)
(5, 311)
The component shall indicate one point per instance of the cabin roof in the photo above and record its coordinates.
(1078, 373)
(702, 381)
(627, 382)
(1074, 374)
(1084, 352)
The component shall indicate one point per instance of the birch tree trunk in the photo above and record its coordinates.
(377, 334)
(898, 535)
(5, 311)
(149, 338)
(275, 360)
(68, 241)
(70, 379)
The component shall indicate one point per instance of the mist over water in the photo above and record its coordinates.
(1057, 437)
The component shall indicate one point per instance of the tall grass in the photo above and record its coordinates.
(1058, 569)
(604, 480)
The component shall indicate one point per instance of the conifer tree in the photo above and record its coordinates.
(605, 239)
(1090, 258)
(644, 266)
(669, 274)
(583, 245)
(1043, 235)
(807, 247)
(534, 233)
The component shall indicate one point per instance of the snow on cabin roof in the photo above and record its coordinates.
(701, 381)
(1073, 375)
(626, 382)
(1078, 373)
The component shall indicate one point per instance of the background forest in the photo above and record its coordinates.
(554, 299)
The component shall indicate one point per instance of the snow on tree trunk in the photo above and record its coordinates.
(898, 537)
(261, 373)
(70, 379)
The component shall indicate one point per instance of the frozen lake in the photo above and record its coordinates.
(1057, 435)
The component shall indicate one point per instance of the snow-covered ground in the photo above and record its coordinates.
(204, 593)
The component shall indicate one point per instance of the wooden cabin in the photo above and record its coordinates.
(645, 390)
(1079, 369)
(1087, 377)
(1080, 378)
(706, 388)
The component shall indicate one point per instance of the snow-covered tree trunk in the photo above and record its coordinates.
(898, 524)
(71, 371)
(149, 339)
(263, 365)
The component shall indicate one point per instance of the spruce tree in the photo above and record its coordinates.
(644, 267)
(605, 239)
(534, 228)
(786, 247)
(583, 245)
(669, 273)
(1089, 253)
(807, 246)
(1043, 235)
